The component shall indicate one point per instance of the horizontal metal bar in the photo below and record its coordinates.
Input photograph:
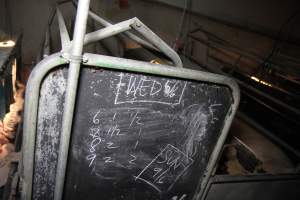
(134, 65)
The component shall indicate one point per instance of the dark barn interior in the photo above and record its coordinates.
(150, 99)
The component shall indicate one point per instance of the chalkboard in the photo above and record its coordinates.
(135, 136)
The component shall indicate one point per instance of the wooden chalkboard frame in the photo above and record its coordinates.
(100, 61)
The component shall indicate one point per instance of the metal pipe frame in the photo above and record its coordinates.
(100, 61)
(75, 59)
(105, 32)
(30, 119)
(137, 25)
(111, 30)
(72, 83)
(131, 36)
(159, 44)
(105, 23)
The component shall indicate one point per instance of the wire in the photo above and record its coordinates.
(278, 38)
(182, 19)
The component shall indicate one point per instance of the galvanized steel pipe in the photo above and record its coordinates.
(159, 45)
(106, 32)
(73, 74)
(30, 119)
(64, 35)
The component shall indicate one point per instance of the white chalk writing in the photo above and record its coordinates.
(95, 141)
(133, 158)
(165, 169)
(104, 133)
(134, 88)
(108, 159)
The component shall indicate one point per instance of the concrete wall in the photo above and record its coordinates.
(30, 17)
(4, 20)
(2, 15)
(262, 15)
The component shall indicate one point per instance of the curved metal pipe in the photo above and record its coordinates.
(159, 44)
(30, 118)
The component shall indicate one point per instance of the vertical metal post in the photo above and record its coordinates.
(73, 74)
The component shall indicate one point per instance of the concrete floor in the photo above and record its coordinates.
(273, 158)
